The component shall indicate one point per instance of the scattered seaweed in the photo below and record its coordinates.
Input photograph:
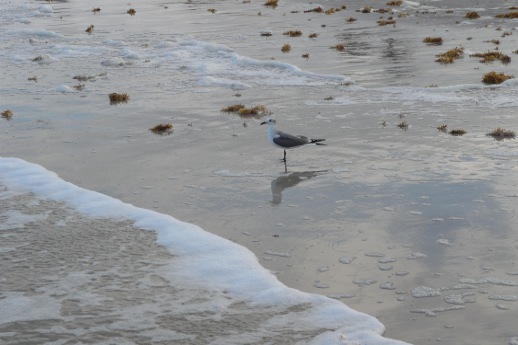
(272, 3)
(506, 33)
(33, 78)
(472, 15)
(450, 56)
(330, 11)
(293, 33)
(495, 78)
(403, 125)
(96, 10)
(433, 40)
(7, 114)
(286, 48)
(79, 87)
(351, 19)
(90, 29)
(510, 15)
(491, 56)
(457, 132)
(131, 12)
(38, 58)
(366, 9)
(339, 47)
(442, 128)
(395, 3)
(501, 134)
(116, 98)
(329, 98)
(266, 34)
(162, 129)
(305, 56)
(211, 10)
(313, 35)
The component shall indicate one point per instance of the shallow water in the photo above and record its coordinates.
(373, 189)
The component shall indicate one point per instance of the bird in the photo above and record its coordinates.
(284, 140)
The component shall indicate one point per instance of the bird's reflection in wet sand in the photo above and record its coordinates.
(290, 180)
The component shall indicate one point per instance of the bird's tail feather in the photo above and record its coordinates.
(317, 141)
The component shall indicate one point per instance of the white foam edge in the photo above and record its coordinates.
(203, 258)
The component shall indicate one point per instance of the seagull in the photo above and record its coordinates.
(284, 140)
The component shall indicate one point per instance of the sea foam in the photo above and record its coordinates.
(202, 260)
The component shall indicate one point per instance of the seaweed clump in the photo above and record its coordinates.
(162, 129)
(491, 56)
(286, 48)
(317, 9)
(7, 114)
(442, 128)
(510, 15)
(232, 108)
(501, 134)
(132, 12)
(272, 3)
(472, 15)
(116, 98)
(433, 40)
(340, 47)
(293, 33)
(384, 22)
(457, 132)
(241, 110)
(83, 77)
(495, 78)
(450, 56)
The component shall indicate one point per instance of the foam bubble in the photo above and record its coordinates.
(425, 291)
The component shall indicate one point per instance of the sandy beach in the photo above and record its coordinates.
(405, 223)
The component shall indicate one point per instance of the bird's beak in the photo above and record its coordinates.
(263, 123)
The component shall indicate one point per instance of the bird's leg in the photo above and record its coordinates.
(284, 159)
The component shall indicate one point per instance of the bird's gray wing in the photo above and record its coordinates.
(287, 140)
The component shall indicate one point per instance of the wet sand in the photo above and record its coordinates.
(403, 209)
(104, 281)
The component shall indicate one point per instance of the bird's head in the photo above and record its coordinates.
(268, 120)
